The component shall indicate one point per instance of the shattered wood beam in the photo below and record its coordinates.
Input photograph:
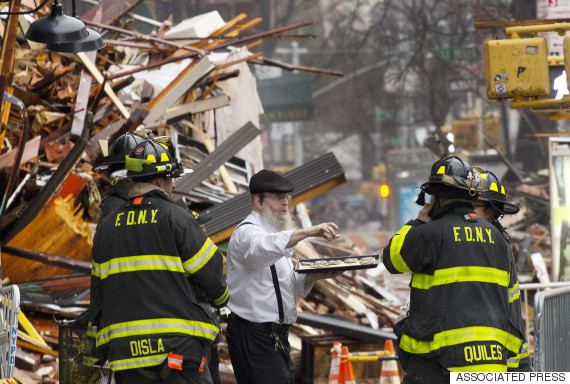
(141, 36)
(130, 44)
(101, 80)
(48, 259)
(48, 190)
(196, 107)
(261, 35)
(292, 67)
(176, 89)
(82, 100)
(229, 25)
(237, 31)
(238, 61)
(109, 11)
(218, 157)
(7, 54)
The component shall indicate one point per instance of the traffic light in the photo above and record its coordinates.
(516, 68)
(466, 133)
(384, 190)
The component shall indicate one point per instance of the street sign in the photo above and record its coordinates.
(455, 86)
(457, 54)
(384, 115)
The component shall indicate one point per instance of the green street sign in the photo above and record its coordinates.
(383, 115)
(457, 54)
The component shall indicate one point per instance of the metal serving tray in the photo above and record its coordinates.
(332, 264)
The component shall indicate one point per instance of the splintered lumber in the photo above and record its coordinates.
(58, 229)
(196, 107)
(48, 259)
(140, 36)
(332, 290)
(48, 191)
(7, 55)
(26, 361)
(21, 376)
(291, 67)
(101, 80)
(109, 11)
(82, 99)
(30, 151)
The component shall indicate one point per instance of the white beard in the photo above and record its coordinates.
(277, 220)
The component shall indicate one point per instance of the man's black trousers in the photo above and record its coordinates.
(255, 359)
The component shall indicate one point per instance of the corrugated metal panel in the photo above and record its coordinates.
(552, 330)
(305, 178)
(219, 156)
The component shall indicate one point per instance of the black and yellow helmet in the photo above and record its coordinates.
(151, 158)
(119, 149)
(494, 192)
(452, 177)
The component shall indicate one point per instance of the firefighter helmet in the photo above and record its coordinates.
(119, 149)
(151, 158)
(452, 177)
(494, 192)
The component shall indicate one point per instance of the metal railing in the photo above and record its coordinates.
(9, 329)
(552, 330)
(538, 287)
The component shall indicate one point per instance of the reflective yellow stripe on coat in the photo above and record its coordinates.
(459, 275)
(396, 248)
(137, 263)
(156, 326)
(201, 257)
(460, 336)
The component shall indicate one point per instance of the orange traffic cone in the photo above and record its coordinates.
(345, 373)
(390, 374)
(335, 363)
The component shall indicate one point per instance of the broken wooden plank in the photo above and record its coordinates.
(30, 151)
(26, 361)
(196, 107)
(101, 80)
(178, 87)
(109, 11)
(41, 198)
(82, 99)
(49, 259)
(141, 36)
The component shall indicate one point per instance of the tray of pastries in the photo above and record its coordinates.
(331, 264)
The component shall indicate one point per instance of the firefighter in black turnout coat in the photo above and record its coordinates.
(459, 302)
(148, 258)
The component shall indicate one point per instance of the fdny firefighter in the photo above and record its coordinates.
(458, 318)
(149, 258)
(118, 192)
(491, 205)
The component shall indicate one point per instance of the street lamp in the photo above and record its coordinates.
(59, 32)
